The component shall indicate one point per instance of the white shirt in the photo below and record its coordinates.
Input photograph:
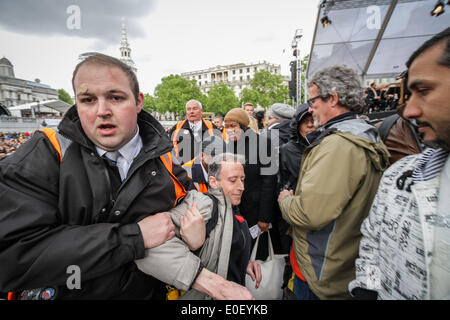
(126, 154)
(195, 126)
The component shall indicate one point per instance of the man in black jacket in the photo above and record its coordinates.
(78, 209)
(279, 118)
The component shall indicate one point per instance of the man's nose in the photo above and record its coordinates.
(104, 108)
(412, 109)
(241, 185)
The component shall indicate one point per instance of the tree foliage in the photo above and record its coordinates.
(221, 99)
(149, 103)
(173, 92)
(265, 89)
(64, 96)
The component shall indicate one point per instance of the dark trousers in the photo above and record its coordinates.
(302, 290)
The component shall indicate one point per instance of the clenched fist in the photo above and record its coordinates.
(156, 229)
(193, 230)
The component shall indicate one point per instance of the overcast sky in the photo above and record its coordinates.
(43, 38)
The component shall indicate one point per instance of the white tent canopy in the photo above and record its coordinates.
(50, 106)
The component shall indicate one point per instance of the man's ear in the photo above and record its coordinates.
(214, 183)
(140, 102)
(334, 99)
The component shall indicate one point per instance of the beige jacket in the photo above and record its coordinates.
(173, 263)
(338, 180)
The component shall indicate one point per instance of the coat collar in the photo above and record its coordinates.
(155, 141)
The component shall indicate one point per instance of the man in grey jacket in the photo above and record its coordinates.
(218, 269)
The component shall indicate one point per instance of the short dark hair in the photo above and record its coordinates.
(103, 59)
(444, 60)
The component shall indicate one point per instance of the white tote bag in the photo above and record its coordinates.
(272, 275)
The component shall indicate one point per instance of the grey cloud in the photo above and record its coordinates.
(100, 19)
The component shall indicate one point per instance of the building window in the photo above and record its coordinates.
(234, 71)
(248, 77)
(199, 76)
(256, 69)
(240, 70)
(241, 78)
(248, 70)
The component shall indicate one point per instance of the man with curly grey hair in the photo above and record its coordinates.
(338, 180)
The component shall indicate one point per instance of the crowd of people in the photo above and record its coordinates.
(359, 210)
(383, 98)
(9, 142)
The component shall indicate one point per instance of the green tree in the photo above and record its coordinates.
(64, 96)
(149, 103)
(173, 92)
(221, 99)
(265, 89)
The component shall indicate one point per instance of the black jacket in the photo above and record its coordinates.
(291, 152)
(184, 136)
(283, 125)
(260, 187)
(54, 215)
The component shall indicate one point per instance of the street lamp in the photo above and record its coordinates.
(296, 46)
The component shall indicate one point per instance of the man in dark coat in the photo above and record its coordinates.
(78, 207)
(280, 115)
(187, 135)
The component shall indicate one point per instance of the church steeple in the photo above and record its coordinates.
(125, 50)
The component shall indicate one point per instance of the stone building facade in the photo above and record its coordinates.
(15, 91)
(236, 76)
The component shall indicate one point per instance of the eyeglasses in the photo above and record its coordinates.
(311, 101)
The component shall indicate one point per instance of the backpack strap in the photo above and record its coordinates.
(386, 126)
(211, 224)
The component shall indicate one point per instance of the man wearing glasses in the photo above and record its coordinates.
(337, 182)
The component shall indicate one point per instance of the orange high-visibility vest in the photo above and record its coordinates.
(180, 191)
(224, 135)
(180, 124)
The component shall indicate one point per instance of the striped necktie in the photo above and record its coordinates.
(112, 156)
